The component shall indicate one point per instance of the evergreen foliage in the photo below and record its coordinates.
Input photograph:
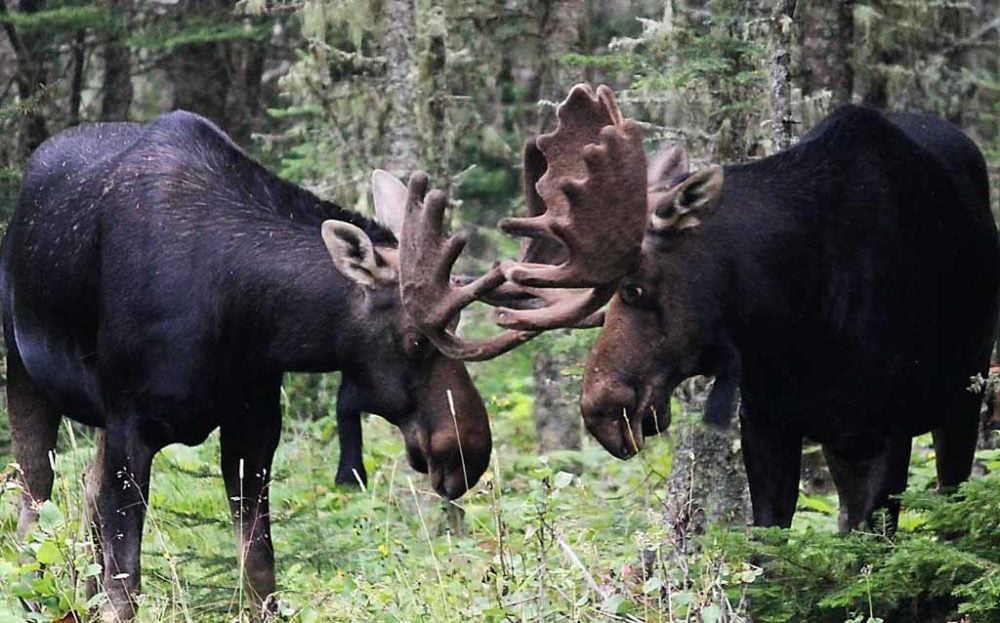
(544, 542)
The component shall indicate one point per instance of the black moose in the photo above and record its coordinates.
(847, 287)
(157, 282)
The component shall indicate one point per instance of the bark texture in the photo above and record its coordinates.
(199, 72)
(398, 33)
(31, 78)
(78, 59)
(434, 85)
(707, 484)
(780, 95)
(116, 81)
(827, 38)
(557, 416)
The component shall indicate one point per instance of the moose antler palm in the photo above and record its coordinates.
(592, 191)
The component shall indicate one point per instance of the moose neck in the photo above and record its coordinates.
(293, 309)
(773, 246)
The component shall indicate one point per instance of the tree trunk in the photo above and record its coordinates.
(200, 72)
(31, 78)
(560, 31)
(707, 484)
(398, 33)
(557, 416)
(76, 84)
(781, 105)
(434, 98)
(247, 59)
(827, 42)
(116, 82)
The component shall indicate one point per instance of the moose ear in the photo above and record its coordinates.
(390, 201)
(667, 168)
(686, 205)
(352, 252)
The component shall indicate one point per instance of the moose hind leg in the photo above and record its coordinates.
(865, 485)
(248, 447)
(91, 488)
(122, 501)
(34, 427)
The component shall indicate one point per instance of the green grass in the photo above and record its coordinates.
(558, 538)
(536, 535)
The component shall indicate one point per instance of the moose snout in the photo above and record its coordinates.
(453, 464)
(609, 412)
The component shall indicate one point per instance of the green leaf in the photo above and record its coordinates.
(308, 615)
(563, 480)
(49, 516)
(617, 604)
(817, 504)
(7, 569)
(48, 553)
(711, 614)
(652, 585)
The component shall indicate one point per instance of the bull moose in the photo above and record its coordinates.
(847, 287)
(157, 282)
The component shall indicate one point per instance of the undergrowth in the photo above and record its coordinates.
(574, 536)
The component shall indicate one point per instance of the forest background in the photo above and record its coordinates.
(324, 91)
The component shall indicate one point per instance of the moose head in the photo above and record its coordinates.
(397, 369)
(605, 224)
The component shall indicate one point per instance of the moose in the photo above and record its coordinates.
(846, 288)
(157, 282)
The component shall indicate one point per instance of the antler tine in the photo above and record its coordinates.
(594, 192)
(575, 308)
(426, 259)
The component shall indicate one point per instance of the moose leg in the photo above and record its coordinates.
(866, 485)
(91, 490)
(34, 425)
(247, 450)
(350, 466)
(772, 456)
(955, 443)
(124, 493)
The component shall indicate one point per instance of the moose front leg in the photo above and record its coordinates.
(248, 446)
(124, 493)
(772, 456)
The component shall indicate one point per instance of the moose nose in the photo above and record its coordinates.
(609, 414)
(449, 484)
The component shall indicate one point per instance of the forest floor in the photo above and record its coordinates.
(555, 538)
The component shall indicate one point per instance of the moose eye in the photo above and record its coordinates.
(413, 344)
(631, 294)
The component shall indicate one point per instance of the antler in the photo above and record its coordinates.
(561, 305)
(426, 258)
(587, 212)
